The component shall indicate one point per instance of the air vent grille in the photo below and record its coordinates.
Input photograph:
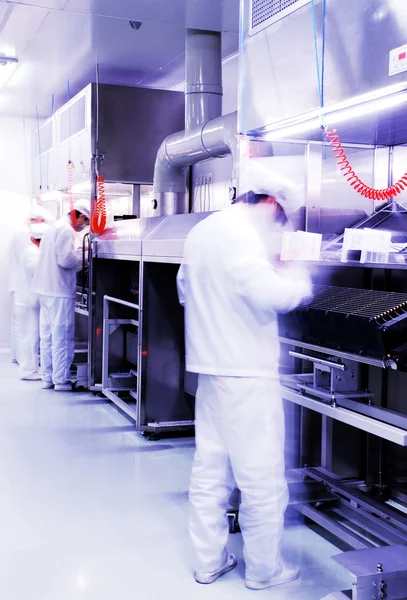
(272, 10)
(72, 120)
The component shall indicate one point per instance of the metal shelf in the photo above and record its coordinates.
(362, 422)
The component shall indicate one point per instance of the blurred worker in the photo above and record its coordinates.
(20, 241)
(27, 307)
(55, 283)
(232, 296)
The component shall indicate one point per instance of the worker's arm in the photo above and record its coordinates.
(181, 282)
(262, 287)
(67, 252)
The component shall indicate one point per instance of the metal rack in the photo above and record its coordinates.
(120, 383)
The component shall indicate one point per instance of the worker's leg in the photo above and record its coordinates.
(45, 339)
(63, 335)
(13, 331)
(28, 325)
(211, 481)
(254, 432)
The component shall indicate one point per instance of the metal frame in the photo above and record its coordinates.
(360, 421)
(374, 362)
(113, 392)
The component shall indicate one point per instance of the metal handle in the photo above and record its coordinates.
(318, 361)
(108, 299)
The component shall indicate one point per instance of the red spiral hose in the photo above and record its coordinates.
(70, 193)
(99, 216)
(347, 171)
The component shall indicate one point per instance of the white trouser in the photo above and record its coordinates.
(239, 441)
(13, 330)
(28, 323)
(57, 331)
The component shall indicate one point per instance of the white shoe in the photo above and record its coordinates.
(32, 377)
(63, 387)
(47, 385)
(288, 573)
(210, 577)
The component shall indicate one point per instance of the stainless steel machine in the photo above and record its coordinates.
(138, 360)
(115, 131)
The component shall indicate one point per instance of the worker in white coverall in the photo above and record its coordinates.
(27, 307)
(55, 283)
(20, 241)
(232, 296)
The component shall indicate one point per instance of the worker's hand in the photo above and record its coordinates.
(299, 274)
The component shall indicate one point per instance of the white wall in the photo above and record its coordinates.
(15, 194)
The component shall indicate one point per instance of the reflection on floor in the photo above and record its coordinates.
(90, 510)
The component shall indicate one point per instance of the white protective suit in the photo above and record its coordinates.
(55, 283)
(19, 242)
(27, 309)
(232, 296)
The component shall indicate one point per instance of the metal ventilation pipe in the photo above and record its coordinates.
(203, 71)
(206, 135)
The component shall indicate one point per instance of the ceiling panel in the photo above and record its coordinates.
(61, 45)
(56, 45)
(18, 25)
(216, 15)
(4, 9)
(172, 11)
(54, 4)
(116, 44)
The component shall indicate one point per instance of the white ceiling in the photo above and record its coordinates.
(60, 40)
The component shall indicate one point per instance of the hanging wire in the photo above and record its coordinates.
(97, 109)
(52, 112)
(319, 79)
(70, 165)
(39, 147)
(320, 69)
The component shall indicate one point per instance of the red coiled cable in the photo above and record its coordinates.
(347, 171)
(72, 211)
(99, 216)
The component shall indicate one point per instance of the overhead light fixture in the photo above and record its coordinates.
(360, 106)
(7, 60)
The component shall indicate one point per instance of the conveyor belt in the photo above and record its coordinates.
(368, 322)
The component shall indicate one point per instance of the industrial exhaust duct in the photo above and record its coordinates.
(207, 134)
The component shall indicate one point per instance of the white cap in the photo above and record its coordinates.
(39, 212)
(82, 206)
(257, 177)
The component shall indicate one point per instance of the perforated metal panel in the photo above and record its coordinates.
(72, 120)
(46, 139)
(265, 12)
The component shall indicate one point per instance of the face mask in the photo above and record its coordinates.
(37, 228)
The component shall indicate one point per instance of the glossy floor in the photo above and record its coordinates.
(89, 510)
